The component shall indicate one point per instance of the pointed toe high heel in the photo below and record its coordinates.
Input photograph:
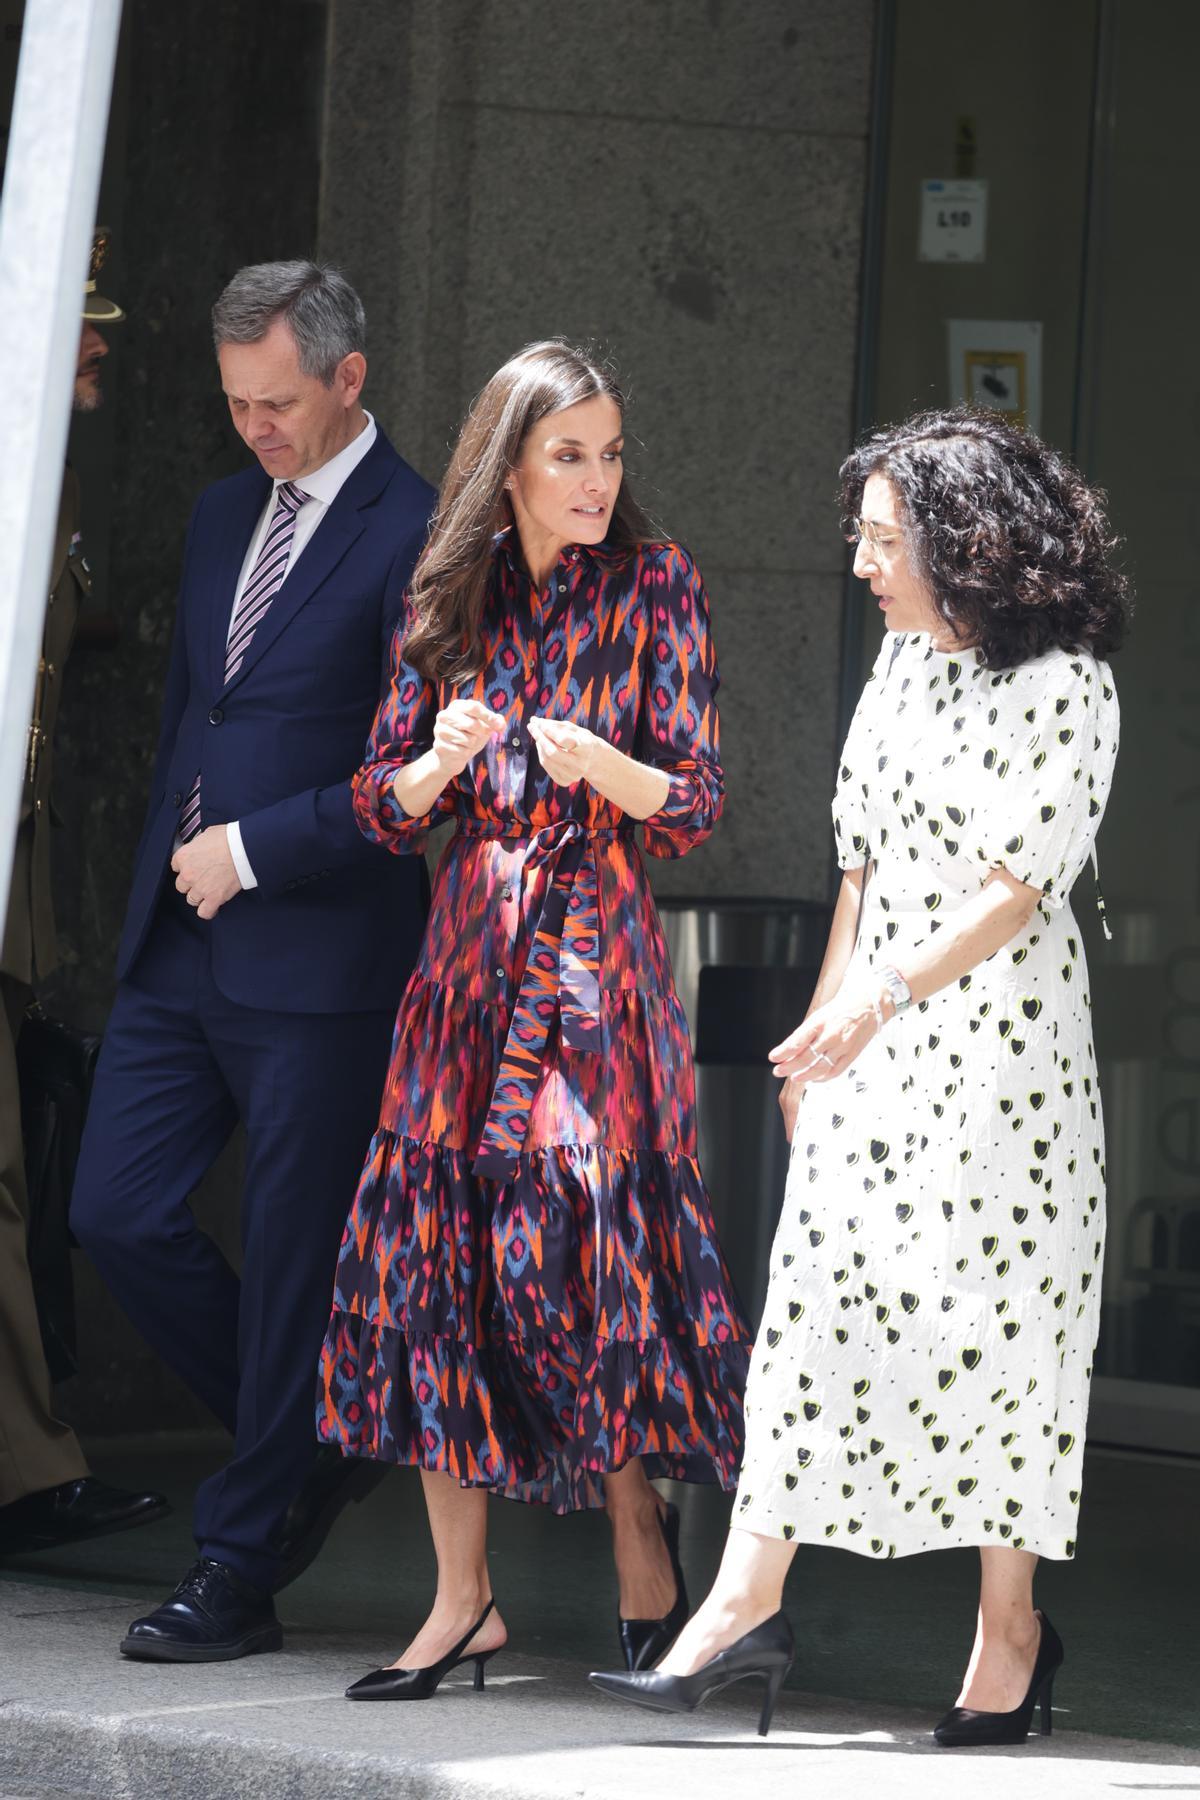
(767, 1653)
(420, 1684)
(643, 1641)
(964, 1727)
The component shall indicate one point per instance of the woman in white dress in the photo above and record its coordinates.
(920, 1378)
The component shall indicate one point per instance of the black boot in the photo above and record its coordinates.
(76, 1509)
(213, 1616)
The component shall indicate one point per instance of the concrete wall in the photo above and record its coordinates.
(684, 185)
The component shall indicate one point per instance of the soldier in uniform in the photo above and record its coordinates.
(47, 1494)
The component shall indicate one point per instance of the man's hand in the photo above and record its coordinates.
(204, 872)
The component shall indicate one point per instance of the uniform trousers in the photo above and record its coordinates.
(181, 1064)
(37, 1450)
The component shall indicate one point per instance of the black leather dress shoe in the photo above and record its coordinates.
(213, 1616)
(332, 1483)
(76, 1509)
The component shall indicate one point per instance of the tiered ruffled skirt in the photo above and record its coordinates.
(527, 1336)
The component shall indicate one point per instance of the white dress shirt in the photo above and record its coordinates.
(321, 489)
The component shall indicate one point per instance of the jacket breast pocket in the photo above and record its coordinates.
(324, 637)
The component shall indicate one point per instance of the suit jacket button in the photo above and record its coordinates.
(215, 716)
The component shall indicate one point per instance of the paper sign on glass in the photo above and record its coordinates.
(953, 221)
(997, 363)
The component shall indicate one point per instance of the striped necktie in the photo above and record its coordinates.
(262, 585)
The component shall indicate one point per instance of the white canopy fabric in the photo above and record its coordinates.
(51, 182)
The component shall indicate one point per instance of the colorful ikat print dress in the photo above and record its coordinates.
(530, 1290)
(921, 1376)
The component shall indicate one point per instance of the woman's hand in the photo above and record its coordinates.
(567, 752)
(829, 1039)
(460, 732)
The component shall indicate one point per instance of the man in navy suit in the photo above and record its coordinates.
(266, 943)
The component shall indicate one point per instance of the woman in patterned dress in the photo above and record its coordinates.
(530, 1299)
(920, 1378)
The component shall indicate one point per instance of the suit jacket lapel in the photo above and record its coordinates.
(339, 528)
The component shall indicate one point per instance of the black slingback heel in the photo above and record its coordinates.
(766, 1652)
(964, 1726)
(420, 1684)
(643, 1641)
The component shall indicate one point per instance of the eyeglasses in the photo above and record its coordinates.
(866, 531)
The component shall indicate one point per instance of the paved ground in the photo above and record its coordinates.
(278, 1725)
(78, 1723)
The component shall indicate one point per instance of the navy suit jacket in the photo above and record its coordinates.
(335, 923)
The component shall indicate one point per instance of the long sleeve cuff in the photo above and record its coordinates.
(241, 861)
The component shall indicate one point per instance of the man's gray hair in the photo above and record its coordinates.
(314, 300)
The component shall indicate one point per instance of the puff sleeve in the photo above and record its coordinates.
(1042, 800)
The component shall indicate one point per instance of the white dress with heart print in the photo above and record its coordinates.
(920, 1378)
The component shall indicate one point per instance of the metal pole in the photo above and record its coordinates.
(1095, 235)
(52, 177)
(870, 298)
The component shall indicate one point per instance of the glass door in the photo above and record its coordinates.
(1138, 410)
(1084, 138)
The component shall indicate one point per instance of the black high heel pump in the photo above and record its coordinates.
(643, 1641)
(419, 1684)
(766, 1652)
(963, 1726)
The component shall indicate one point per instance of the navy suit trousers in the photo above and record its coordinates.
(180, 1065)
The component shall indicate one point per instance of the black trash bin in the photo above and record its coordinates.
(745, 971)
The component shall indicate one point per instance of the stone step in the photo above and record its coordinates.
(77, 1722)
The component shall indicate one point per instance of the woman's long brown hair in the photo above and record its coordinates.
(450, 581)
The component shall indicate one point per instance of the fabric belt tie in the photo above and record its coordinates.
(562, 974)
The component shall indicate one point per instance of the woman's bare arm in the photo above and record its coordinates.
(843, 929)
(837, 1031)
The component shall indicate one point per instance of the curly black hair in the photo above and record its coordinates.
(1015, 546)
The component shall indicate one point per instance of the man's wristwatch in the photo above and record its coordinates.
(898, 989)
